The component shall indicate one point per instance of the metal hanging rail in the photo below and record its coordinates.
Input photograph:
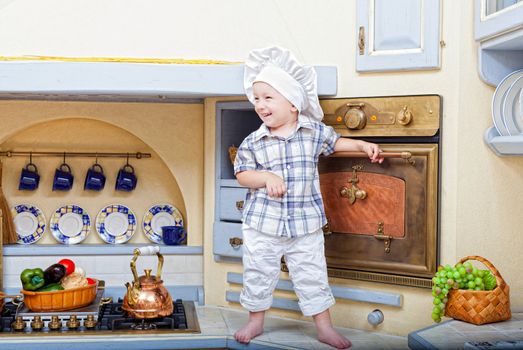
(137, 155)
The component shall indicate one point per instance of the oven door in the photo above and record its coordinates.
(382, 218)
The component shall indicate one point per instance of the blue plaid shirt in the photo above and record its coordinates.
(295, 160)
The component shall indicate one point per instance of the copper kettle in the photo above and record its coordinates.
(146, 297)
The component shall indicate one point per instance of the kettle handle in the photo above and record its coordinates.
(147, 250)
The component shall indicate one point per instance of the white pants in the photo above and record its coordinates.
(305, 258)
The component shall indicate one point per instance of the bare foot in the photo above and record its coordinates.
(252, 329)
(329, 335)
(247, 332)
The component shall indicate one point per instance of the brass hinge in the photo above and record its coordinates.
(380, 236)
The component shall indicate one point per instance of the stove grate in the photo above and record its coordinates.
(111, 317)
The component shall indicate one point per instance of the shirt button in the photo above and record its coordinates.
(288, 166)
(288, 191)
(288, 216)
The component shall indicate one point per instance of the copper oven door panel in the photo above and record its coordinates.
(384, 202)
(413, 249)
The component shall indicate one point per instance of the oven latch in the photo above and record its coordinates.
(386, 239)
(354, 192)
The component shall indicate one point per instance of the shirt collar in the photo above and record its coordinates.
(303, 122)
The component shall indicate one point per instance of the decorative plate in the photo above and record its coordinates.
(70, 224)
(498, 101)
(157, 216)
(521, 102)
(116, 224)
(512, 113)
(29, 223)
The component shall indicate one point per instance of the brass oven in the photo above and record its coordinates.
(383, 218)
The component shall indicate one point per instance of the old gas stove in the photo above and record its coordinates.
(102, 317)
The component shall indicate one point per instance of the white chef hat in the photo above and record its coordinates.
(277, 67)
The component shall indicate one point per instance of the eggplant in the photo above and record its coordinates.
(54, 273)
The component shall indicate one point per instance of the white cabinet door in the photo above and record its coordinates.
(493, 17)
(397, 35)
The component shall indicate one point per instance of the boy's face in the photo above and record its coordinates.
(273, 109)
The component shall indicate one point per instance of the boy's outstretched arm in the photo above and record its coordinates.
(259, 179)
(350, 145)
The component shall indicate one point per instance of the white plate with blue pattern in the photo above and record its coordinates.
(116, 224)
(158, 216)
(29, 223)
(498, 101)
(70, 224)
(512, 111)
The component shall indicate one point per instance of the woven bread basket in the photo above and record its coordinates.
(480, 306)
(60, 300)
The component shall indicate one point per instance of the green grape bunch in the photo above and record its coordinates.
(461, 276)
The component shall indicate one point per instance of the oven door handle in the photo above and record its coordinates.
(403, 155)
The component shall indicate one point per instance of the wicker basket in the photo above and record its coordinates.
(60, 300)
(480, 307)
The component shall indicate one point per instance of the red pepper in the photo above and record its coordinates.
(69, 266)
(91, 281)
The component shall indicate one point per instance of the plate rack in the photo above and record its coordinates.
(500, 52)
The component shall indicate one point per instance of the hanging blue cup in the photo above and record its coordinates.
(95, 178)
(29, 178)
(63, 178)
(126, 179)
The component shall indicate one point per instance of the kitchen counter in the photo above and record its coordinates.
(461, 335)
(217, 328)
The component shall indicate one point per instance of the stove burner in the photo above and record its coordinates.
(143, 325)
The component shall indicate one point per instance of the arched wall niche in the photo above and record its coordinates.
(69, 131)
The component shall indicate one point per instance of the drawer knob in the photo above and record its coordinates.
(239, 205)
(235, 242)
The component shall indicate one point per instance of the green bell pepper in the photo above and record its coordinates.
(32, 279)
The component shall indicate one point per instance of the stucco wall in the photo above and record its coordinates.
(481, 193)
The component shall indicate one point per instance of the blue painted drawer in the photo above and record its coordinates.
(228, 239)
(231, 203)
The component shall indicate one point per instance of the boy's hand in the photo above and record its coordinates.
(275, 185)
(373, 151)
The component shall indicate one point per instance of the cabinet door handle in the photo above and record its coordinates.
(239, 205)
(235, 242)
(361, 40)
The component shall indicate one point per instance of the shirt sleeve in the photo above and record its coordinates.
(329, 138)
(245, 159)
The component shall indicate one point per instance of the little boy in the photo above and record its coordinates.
(283, 212)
